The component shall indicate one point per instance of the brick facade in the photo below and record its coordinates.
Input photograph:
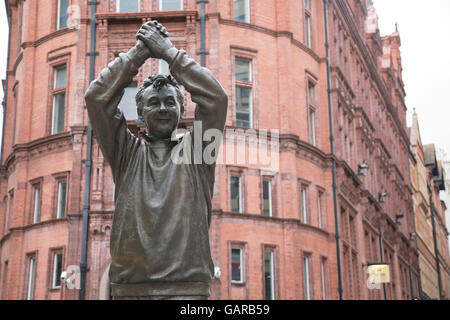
(288, 83)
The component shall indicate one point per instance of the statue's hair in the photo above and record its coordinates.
(158, 81)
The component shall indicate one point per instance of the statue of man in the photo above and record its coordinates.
(159, 238)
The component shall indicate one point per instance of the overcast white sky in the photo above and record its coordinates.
(425, 32)
(424, 28)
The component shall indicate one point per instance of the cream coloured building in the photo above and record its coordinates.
(427, 181)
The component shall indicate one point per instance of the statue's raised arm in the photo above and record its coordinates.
(102, 100)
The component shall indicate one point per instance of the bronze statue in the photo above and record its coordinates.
(159, 238)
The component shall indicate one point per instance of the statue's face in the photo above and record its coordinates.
(161, 111)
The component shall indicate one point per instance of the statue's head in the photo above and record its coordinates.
(160, 105)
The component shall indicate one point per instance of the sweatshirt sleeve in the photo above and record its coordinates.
(205, 90)
(210, 111)
(107, 120)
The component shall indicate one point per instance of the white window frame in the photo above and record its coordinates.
(250, 69)
(240, 192)
(270, 196)
(118, 5)
(250, 105)
(307, 24)
(31, 277)
(308, 30)
(272, 275)
(9, 210)
(322, 279)
(311, 94)
(58, 26)
(161, 2)
(319, 209)
(309, 4)
(311, 111)
(247, 12)
(56, 116)
(58, 200)
(56, 69)
(312, 126)
(245, 84)
(55, 276)
(306, 278)
(303, 195)
(37, 190)
(240, 195)
(57, 91)
(241, 272)
(251, 108)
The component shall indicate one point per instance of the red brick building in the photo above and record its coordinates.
(273, 229)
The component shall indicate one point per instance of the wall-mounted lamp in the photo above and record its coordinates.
(398, 217)
(361, 167)
(382, 195)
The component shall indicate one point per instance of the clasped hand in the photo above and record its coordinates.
(156, 39)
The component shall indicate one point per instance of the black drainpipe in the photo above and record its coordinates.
(380, 239)
(411, 285)
(333, 159)
(202, 51)
(87, 185)
(5, 94)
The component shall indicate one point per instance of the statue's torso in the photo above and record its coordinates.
(160, 227)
